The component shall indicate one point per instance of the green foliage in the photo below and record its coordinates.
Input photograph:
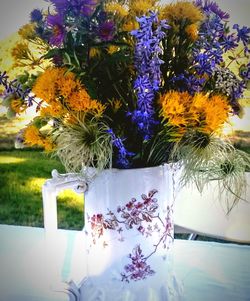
(22, 176)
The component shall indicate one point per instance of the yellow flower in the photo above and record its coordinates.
(130, 25)
(21, 51)
(48, 145)
(27, 31)
(181, 10)
(45, 85)
(196, 108)
(140, 7)
(18, 105)
(94, 52)
(78, 101)
(32, 136)
(55, 83)
(115, 105)
(96, 108)
(192, 31)
(174, 107)
(200, 113)
(116, 8)
(113, 49)
(216, 113)
(55, 109)
(67, 85)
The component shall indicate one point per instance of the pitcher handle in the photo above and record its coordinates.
(51, 189)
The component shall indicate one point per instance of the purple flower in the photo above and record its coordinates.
(60, 5)
(147, 62)
(14, 87)
(106, 30)
(229, 42)
(88, 7)
(58, 31)
(211, 6)
(188, 82)
(36, 15)
(204, 64)
(122, 160)
(243, 34)
(138, 269)
(75, 7)
(58, 60)
(245, 72)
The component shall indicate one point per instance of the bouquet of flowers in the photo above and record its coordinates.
(127, 84)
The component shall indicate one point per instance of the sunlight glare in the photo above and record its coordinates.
(8, 159)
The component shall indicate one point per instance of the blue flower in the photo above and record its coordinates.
(75, 7)
(14, 87)
(243, 34)
(56, 22)
(211, 6)
(204, 64)
(122, 160)
(147, 62)
(229, 42)
(36, 15)
(106, 30)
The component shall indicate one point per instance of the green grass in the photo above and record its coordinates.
(22, 174)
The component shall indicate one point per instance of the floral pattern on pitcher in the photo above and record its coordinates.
(143, 217)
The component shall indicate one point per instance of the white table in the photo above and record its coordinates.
(30, 271)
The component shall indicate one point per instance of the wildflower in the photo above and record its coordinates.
(229, 42)
(211, 7)
(116, 9)
(140, 7)
(48, 145)
(21, 51)
(18, 105)
(36, 15)
(204, 64)
(45, 85)
(81, 101)
(67, 85)
(58, 32)
(15, 88)
(148, 63)
(182, 10)
(192, 31)
(113, 49)
(130, 25)
(49, 84)
(122, 160)
(228, 84)
(174, 107)
(243, 35)
(106, 30)
(32, 136)
(88, 7)
(116, 104)
(61, 5)
(27, 31)
(216, 113)
(55, 110)
(94, 52)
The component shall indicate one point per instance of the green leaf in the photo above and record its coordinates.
(76, 59)
(51, 53)
(67, 57)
